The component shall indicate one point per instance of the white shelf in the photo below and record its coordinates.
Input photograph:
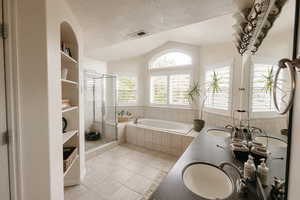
(69, 82)
(70, 167)
(68, 135)
(70, 109)
(68, 58)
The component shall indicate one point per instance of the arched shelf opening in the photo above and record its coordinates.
(69, 43)
(70, 84)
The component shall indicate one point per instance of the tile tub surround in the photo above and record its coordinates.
(187, 115)
(163, 141)
(126, 172)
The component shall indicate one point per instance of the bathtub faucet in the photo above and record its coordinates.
(135, 120)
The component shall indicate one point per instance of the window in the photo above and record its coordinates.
(218, 88)
(179, 86)
(262, 85)
(127, 89)
(171, 59)
(170, 89)
(159, 89)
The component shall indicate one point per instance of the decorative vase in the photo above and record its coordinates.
(64, 74)
(198, 124)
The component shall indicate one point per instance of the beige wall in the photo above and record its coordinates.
(38, 95)
(131, 66)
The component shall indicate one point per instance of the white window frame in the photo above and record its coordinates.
(168, 71)
(260, 60)
(137, 89)
(217, 111)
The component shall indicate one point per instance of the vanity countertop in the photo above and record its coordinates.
(204, 149)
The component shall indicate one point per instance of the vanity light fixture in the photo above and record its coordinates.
(254, 22)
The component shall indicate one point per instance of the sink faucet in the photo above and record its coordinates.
(241, 182)
(228, 126)
(278, 189)
(231, 127)
(256, 131)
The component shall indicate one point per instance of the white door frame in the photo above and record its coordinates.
(9, 7)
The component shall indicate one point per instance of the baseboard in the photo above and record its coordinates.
(99, 150)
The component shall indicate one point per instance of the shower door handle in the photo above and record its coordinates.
(293, 66)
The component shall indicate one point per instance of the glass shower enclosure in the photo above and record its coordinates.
(99, 110)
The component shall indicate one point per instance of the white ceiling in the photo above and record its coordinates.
(107, 22)
(216, 30)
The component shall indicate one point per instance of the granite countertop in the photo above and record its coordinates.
(204, 149)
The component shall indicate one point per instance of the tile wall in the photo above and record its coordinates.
(170, 143)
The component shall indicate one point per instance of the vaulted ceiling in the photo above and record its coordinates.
(108, 22)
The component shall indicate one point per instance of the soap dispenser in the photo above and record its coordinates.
(249, 169)
(263, 172)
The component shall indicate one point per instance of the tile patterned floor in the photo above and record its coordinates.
(93, 144)
(125, 172)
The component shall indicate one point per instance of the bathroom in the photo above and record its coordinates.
(161, 100)
(153, 108)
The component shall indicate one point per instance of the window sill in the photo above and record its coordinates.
(171, 107)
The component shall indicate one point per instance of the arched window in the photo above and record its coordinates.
(171, 59)
(170, 87)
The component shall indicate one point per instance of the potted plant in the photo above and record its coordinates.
(193, 93)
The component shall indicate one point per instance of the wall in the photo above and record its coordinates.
(33, 108)
(216, 54)
(139, 66)
(131, 66)
(38, 96)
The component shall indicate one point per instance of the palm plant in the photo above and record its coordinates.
(268, 81)
(193, 92)
(215, 84)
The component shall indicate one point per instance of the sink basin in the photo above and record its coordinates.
(272, 141)
(207, 181)
(219, 133)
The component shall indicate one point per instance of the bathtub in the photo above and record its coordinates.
(163, 125)
(160, 135)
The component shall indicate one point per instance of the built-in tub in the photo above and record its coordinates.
(160, 135)
(163, 125)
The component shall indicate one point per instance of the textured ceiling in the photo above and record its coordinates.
(107, 22)
(213, 31)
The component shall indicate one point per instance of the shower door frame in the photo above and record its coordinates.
(94, 75)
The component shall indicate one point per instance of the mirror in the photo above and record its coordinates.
(252, 101)
(261, 69)
(271, 128)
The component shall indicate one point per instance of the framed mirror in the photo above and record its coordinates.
(259, 71)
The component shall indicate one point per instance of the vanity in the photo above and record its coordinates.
(213, 150)
(260, 103)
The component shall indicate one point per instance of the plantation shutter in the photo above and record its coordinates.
(159, 90)
(262, 100)
(218, 95)
(127, 89)
(179, 86)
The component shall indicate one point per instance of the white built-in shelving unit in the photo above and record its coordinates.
(70, 90)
